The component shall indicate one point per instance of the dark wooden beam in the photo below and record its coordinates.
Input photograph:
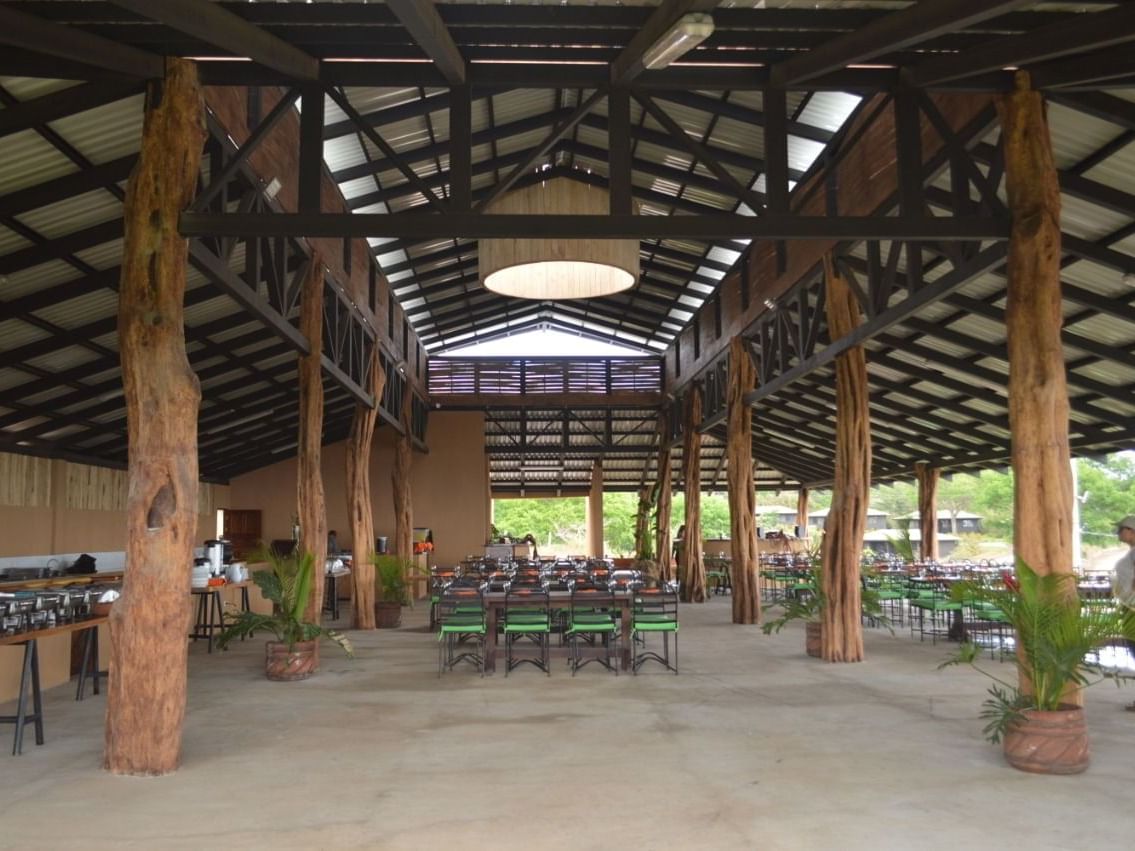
(478, 226)
(541, 150)
(1097, 69)
(217, 26)
(628, 64)
(421, 20)
(28, 114)
(461, 169)
(1081, 34)
(33, 33)
(700, 152)
(367, 130)
(986, 260)
(916, 23)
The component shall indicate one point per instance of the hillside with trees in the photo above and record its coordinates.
(1106, 490)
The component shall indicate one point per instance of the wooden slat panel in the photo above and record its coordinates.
(25, 481)
(94, 488)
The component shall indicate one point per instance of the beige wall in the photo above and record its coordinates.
(51, 506)
(448, 486)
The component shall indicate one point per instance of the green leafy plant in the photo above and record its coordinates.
(808, 605)
(902, 543)
(1054, 635)
(288, 585)
(390, 572)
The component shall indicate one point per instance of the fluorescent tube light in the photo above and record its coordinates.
(690, 31)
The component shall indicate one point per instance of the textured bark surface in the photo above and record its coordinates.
(691, 564)
(662, 543)
(927, 478)
(842, 639)
(1038, 392)
(802, 508)
(643, 540)
(595, 512)
(742, 493)
(359, 505)
(310, 499)
(400, 483)
(146, 690)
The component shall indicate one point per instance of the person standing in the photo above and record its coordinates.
(1123, 583)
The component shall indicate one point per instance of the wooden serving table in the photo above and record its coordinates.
(494, 614)
(210, 608)
(30, 675)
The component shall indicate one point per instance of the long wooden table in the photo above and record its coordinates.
(30, 675)
(494, 614)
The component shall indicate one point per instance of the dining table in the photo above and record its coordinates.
(494, 615)
(29, 677)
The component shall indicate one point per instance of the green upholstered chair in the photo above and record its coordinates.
(592, 620)
(655, 611)
(460, 621)
(527, 617)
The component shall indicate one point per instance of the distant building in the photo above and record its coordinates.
(880, 541)
(785, 516)
(949, 522)
(875, 519)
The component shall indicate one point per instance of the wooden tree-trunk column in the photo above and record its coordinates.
(802, 510)
(927, 477)
(643, 541)
(842, 632)
(691, 566)
(662, 512)
(1038, 392)
(595, 512)
(742, 493)
(310, 499)
(359, 505)
(146, 691)
(400, 481)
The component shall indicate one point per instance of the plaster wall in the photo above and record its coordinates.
(448, 486)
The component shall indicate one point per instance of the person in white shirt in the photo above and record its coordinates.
(1123, 584)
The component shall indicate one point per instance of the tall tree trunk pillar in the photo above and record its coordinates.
(927, 477)
(691, 565)
(841, 629)
(595, 512)
(662, 512)
(802, 510)
(1038, 392)
(146, 691)
(742, 493)
(400, 479)
(359, 504)
(310, 498)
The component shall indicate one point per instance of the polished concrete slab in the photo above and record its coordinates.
(753, 746)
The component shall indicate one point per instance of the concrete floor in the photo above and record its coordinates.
(753, 746)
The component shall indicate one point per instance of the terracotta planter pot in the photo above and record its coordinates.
(284, 666)
(387, 615)
(812, 639)
(1054, 742)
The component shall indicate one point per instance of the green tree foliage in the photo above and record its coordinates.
(561, 523)
(1109, 485)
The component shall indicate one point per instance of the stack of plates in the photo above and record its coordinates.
(200, 576)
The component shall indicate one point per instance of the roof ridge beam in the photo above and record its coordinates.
(425, 26)
(215, 25)
(916, 23)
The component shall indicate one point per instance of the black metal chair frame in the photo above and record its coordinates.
(518, 601)
(655, 602)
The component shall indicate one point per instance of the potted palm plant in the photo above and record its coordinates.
(391, 590)
(807, 605)
(294, 655)
(1040, 729)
